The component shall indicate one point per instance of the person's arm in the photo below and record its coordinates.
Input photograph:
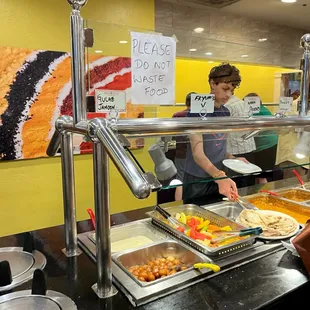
(227, 187)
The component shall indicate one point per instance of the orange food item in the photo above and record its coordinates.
(299, 213)
(296, 195)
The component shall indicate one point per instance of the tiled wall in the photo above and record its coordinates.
(228, 36)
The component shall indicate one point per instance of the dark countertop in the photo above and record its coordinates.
(279, 277)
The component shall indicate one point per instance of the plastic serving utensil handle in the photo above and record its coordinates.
(300, 180)
(269, 192)
(92, 217)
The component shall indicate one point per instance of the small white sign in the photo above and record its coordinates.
(152, 68)
(253, 103)
(286, 104)
(110, 100)
(202, 103)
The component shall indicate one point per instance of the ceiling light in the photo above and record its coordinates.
(98, 51)
(288, 1)
(244, 56)
(208, 54)
(193, 49)
(199, 30)
(123, 42)
(262, 40)
(210, 62)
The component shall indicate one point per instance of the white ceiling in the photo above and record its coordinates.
(291, 14)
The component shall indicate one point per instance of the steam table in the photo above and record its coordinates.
(268, 283)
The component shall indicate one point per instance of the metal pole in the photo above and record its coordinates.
(78, 61)
(305, 44)
(67, 166)
(104, 287)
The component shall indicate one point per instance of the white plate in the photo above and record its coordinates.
(270, 212)
(240, 166)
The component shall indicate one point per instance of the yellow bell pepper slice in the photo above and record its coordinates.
(226, 228)
(182, 218)
(203, 224)
(213, 267)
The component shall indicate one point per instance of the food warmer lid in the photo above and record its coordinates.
(24, 300)
(17, 264)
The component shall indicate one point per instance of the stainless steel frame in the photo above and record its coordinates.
(104, 135)
(304, 105)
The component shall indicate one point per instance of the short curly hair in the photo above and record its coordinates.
(225, 73)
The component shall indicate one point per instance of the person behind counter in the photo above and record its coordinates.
(181, 146)
(206, 152)
(266, 148)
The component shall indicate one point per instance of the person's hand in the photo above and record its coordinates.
(243, 159)
(228, 188)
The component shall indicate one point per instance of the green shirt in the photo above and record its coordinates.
(265, 139)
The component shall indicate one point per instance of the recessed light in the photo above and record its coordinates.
(98, 51)
(208, 54)
(262, 40)
(199, 30)
(123, 42)
(193, 49)
(288, 1)
(210, 62)
(244, 56)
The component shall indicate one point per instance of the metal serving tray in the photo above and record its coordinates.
(158, 250)
(138, 228)
(214, 218)
(302, 208)
(296, 191)
(230, 210)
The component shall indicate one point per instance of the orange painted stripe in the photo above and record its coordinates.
(12, 59)
(36, 129)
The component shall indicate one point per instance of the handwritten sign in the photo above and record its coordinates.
(153, 68)
(253, 103)
(286, 104)
(202, 103)
(110, 100)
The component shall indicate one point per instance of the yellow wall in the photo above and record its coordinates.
(192, 75)
(31, 195)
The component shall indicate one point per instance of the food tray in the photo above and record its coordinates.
(154, 251)
(304, 194)
(298, 211)
(230, 210)
(214, 218)
(138, 228)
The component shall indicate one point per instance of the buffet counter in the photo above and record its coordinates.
(266, 283)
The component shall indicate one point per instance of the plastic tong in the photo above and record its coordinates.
(236, 233)
(175, 223)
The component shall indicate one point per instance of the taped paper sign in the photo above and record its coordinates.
(153, 68)
(202, 103)
(253, 103)
(286, 104)
(110, 100)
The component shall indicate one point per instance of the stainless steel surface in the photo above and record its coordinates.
(172, 126)
(133, 229)
(23, 300)
(214, 219)
(133, 177)
(162, 249)
(69, 202)
(139, 295)
(77, 4)
(230, 210)
(102, 211)
(304, 95)
(22, 264)
(54, 144)
(78, 62)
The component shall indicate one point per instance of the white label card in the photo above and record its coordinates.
(202, 103)
(253, 103)
(110, 100)
(152, 69)
(286, 104)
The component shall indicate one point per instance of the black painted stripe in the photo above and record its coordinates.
(21, 91)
